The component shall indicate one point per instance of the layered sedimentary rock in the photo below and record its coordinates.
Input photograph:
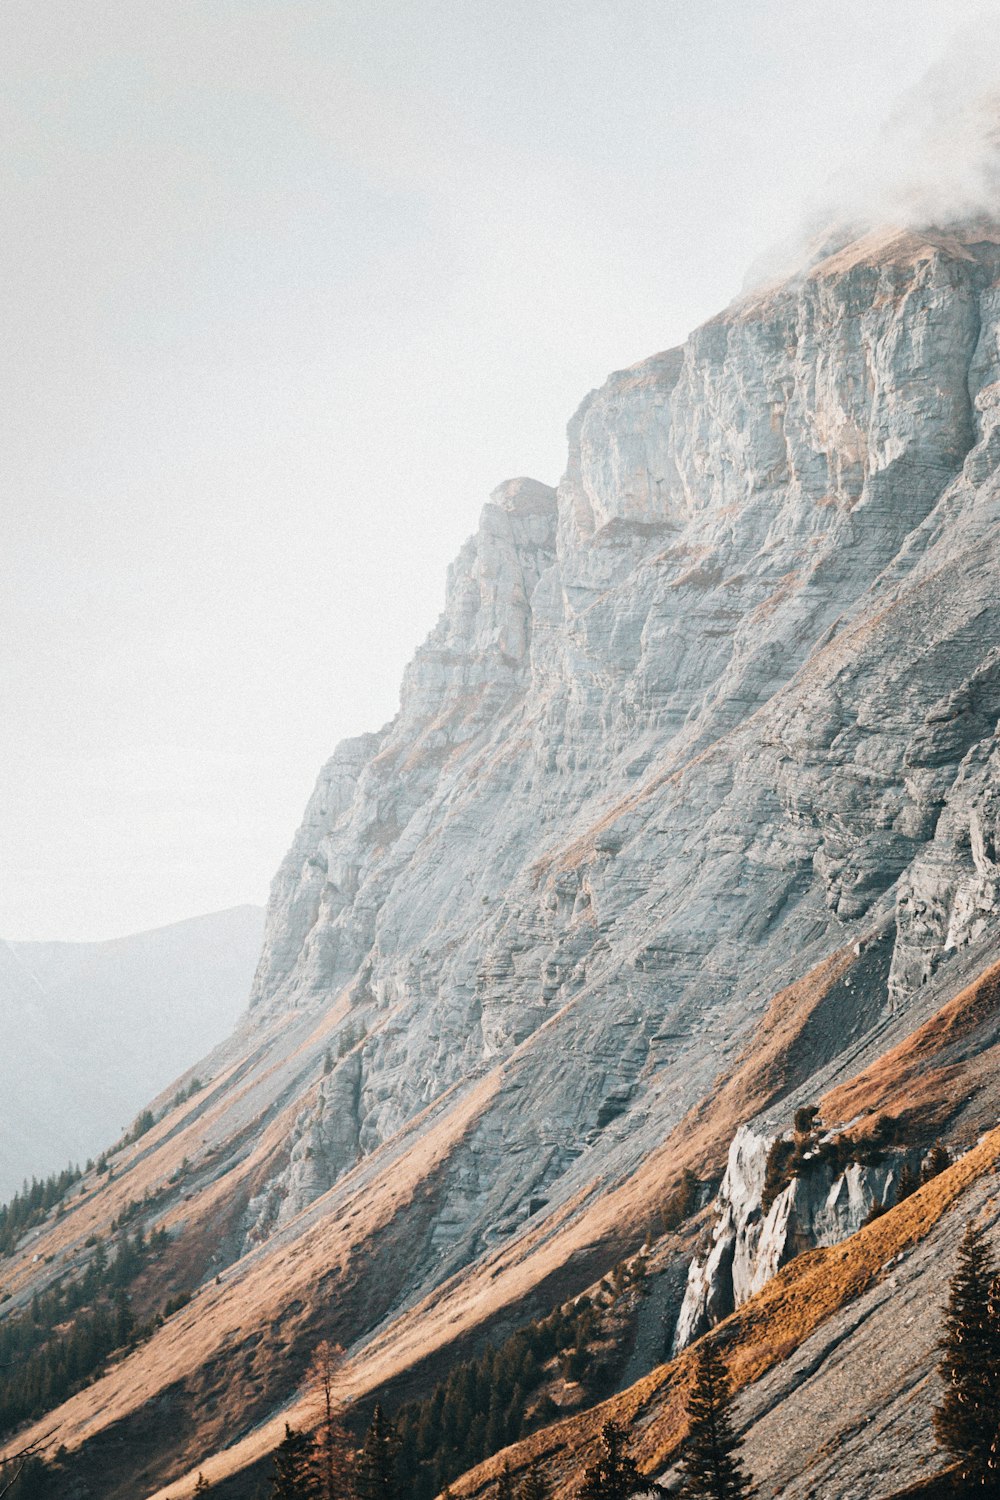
(722, 701)
(690, 807)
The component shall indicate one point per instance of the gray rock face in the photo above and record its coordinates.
(847, 1414)
(819, 1207)
(722, 706)
(724, 701)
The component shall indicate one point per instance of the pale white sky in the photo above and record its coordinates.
(287, 286)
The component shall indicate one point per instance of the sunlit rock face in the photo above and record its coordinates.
(721, 703)
(750, 1242)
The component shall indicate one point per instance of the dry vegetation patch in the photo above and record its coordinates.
(756, 1338)
(915, 1074)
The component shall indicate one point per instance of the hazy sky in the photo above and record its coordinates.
(287, 286)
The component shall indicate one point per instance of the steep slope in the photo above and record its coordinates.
(689, 810)
(89, 1032)
(834, 1397)
(753, 710)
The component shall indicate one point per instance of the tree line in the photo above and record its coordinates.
(482, 1405)
(55, 1345)
(966, 1423)
(480, 1408)
(30, 1206)
(324, 1465)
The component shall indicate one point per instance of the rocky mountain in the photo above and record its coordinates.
(688, 819)
(90, 1032)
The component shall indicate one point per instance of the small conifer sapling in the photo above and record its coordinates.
(533, 1485)
(505, 1483)
(615, 1476)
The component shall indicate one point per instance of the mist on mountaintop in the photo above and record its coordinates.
(936, 161)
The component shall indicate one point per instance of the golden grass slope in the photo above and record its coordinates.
(757, 1337)
(582, 1238)
(270, 1304)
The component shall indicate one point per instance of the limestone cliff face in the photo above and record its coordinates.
(690, 817)
(723, 701)
(818, 1207)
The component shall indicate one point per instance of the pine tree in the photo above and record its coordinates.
(533, 1486)
(614, 1476)
(293, 1477)
(505, 1483)
(708, 1462)
(495, 1425)
(202, 1486)
(124, 1321)
(967, 1421)
(376, 1473)
(908, 1183)
(937, 1160)
(99, 1261)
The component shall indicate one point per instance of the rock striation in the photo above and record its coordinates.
(690, 807)
(726, 696)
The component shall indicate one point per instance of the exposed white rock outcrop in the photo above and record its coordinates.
(819, 1206)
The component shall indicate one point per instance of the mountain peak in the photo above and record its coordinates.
(688, 819)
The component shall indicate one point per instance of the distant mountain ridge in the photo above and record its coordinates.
(90, 1032)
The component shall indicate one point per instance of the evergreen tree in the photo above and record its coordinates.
(294, 1474)
(708, 1462)
(682, 1201)
(375, 1477)
(505, 1483)
(967, 1421)
(202, 1486)
(496, 1427)
(533, 1485)
(908, 1183)
(937, 1160)
(614, 1476)
(124, 1321)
